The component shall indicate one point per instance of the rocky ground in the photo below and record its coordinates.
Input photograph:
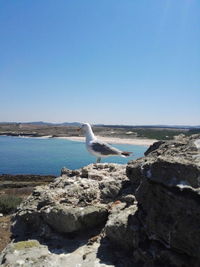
(143, 214)
(20, 186)
(5, 236)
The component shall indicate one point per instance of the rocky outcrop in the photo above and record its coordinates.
(66, 219)
(144, 214)
(163, 228)
(76, 201)
(167, 191)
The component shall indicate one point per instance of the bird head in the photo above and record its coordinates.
(85, 127)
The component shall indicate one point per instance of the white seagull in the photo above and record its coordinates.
(98, 148)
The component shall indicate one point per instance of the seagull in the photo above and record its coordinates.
(98, 148)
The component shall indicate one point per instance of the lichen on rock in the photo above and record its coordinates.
(25, 244)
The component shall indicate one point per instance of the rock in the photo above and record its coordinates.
(33, 254)
(76, 201)
(65, 171)
(26, 253)
(68, 172)
(177, 224)
(133, 171)
(129, 199)
(67, 214)
(72, 219)
(153, 147)
(167, 185)
(118, 227)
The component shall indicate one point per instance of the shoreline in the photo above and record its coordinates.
(107, 139)
(114, 140)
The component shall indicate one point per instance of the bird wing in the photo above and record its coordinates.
(104, 148)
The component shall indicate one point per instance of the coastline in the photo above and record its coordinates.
(107, 139)
(114, 140)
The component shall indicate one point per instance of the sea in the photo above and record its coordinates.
(21, 155)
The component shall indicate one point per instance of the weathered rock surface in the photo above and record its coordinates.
(71, 219)
(26, 253)
(144, 214)
(31, 253)
(167, 184)
(118, 227)
(66, 217)
(76, 201)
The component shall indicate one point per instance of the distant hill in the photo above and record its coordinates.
(51, 123)
(38, 123)
(70, 124)
(45, 123)
(108, 125)
(8, 122)
(150, 126)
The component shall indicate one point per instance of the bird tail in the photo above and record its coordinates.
(126, 154)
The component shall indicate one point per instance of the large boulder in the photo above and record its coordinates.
(167, 186)
(72, 219)
(76, 201)
(68, 216)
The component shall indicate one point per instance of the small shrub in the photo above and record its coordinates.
(8, 203)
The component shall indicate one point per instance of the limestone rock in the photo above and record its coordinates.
(72, 219)
(75, 201)
(33, 254)
(118, 227)
(26, 253)
(167, 186)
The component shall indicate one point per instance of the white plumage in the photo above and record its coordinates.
(98, 148)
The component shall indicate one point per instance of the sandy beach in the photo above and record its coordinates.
(115, 140)
(110, 140)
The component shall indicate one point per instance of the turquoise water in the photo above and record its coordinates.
(48, 156)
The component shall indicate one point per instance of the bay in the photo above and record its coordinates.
(20, 155)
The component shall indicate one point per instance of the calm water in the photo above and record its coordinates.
(48, 156)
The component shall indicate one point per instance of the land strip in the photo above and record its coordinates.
(112, 131)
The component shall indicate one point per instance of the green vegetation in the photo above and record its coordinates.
(150, 132)
(9, 203)
(163, 134)
(194, 131)
(157, 134)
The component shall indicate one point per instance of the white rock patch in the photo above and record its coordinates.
(197, 143)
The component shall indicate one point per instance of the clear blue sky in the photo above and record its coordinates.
(107, 61)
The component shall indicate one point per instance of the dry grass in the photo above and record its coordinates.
(9, 203)
(18, 192)
(5, 236)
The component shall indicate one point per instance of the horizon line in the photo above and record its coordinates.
(101, 124)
